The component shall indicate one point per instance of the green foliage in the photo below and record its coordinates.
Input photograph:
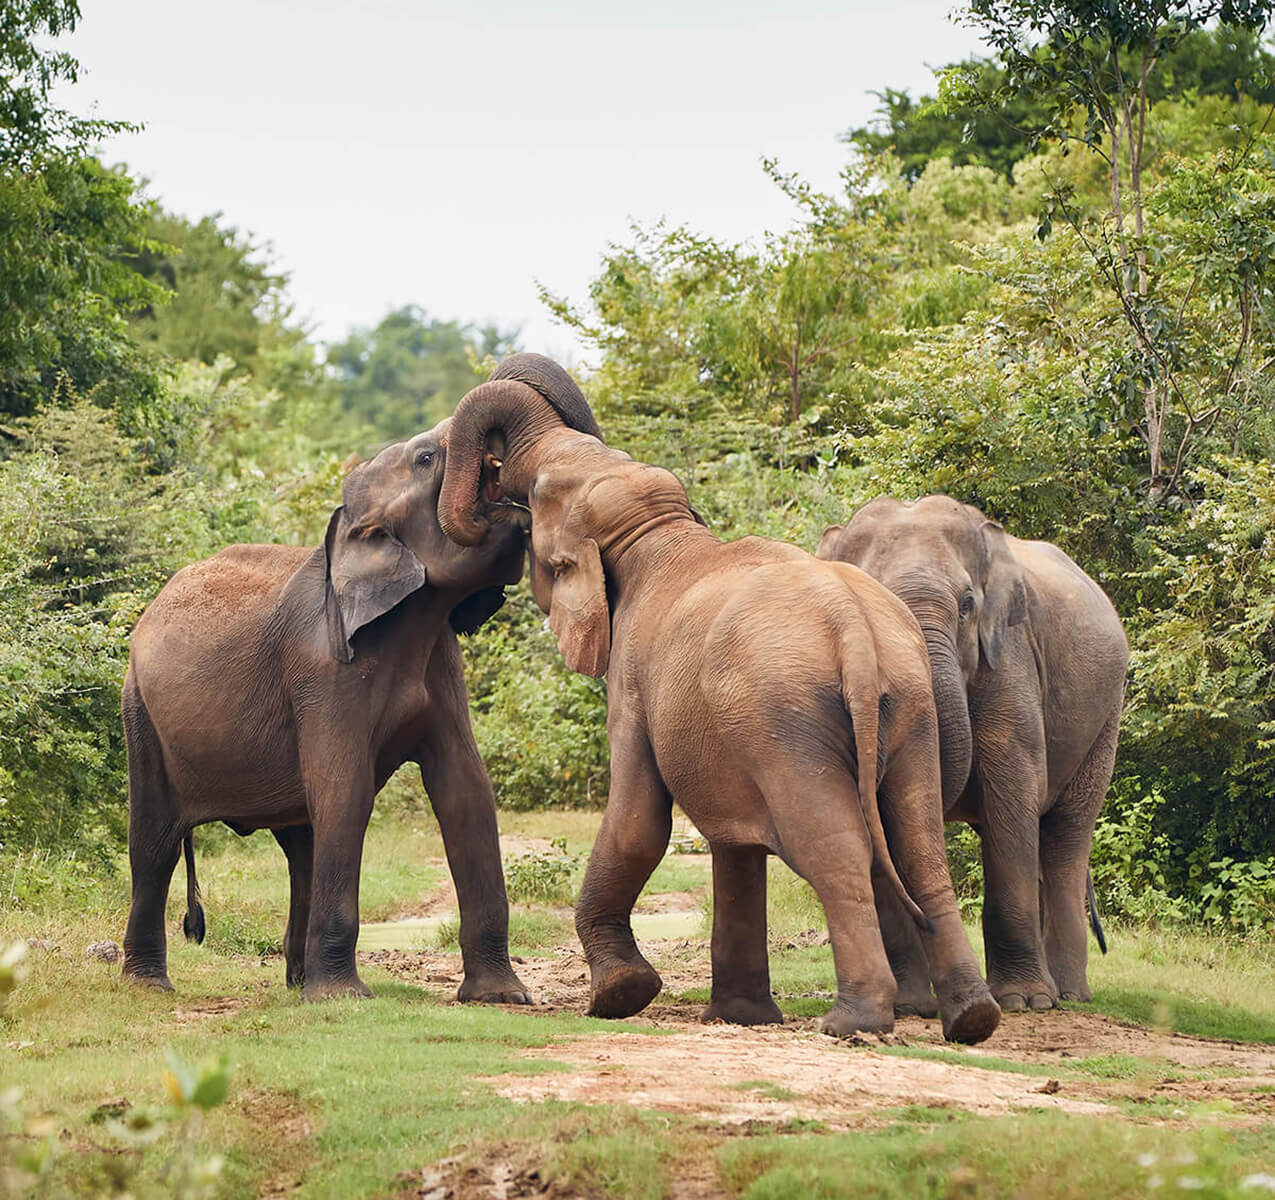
(408, 373)
(544, 878)
(226, 300)
(541, 729)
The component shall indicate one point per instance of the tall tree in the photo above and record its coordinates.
(407, 373)
(1093, 68)
(65, 222)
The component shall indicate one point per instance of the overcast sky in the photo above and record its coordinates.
(450, 155)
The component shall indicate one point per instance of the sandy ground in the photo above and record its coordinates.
(729, 1076)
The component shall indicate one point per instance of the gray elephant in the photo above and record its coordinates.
(1028, 661)
(279, 687)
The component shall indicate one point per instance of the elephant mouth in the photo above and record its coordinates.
(496, 503)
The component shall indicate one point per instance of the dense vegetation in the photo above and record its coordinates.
(1047, 292)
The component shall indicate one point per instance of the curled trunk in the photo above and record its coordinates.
(527, 396)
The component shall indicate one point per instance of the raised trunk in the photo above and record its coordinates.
(519, 414)
(956, 743)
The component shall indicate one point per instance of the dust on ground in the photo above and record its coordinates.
(730, 1077)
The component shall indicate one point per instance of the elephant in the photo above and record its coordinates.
(278, 687)
(1028, 659)
(823, 750)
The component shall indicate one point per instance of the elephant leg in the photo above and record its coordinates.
(825, 840)
(631, 841)
(915, 997)
(461, 794)
(741, 967)
(1017, 969)
(911, 812)
(297, 842)
(154, 843)
(1066, 835)
(340, 804)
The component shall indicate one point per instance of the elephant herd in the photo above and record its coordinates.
(829, 710)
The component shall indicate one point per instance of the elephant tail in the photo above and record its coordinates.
(193, 921)
(1094, 923)
(862, 699)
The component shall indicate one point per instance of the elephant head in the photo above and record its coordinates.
(954, 569)
(384, 543)
(529, 437)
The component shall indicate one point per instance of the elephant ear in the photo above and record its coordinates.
(367, 572)
(578, 609)
(828, 543)
(471, 612)
(1004, 594)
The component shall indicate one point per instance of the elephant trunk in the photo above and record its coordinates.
(527, 396)
(956, 743)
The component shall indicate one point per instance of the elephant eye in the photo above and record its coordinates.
(967, 605)
(424, 456)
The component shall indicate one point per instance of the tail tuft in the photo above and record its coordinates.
(1094, 923)
(193, 922)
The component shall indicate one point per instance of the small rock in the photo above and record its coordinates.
(105, 951)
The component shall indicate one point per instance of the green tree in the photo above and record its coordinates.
(407, 374)
(227, 300)
(65, 221)
(1091, 67)
(996, 127)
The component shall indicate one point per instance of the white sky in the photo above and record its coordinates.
(450, 155)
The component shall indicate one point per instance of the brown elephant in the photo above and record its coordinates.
(771, 740)
(279, 687)
(1028, 659)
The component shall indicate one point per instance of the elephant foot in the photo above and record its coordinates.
(493, 988)
(1077, 997)
(295, 978)
(971, 1020)
(843, 1020)
(624, 989)
(158, 983)
(928, 1009)
(743, 1010)
(915, 1002)
(1026, 1001)
(327, 989)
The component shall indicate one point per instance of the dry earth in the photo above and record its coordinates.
(730, 1076)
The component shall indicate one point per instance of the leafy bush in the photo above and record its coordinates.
(538, 878)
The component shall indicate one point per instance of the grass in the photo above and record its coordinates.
(344, 1096)
(1048, 1155)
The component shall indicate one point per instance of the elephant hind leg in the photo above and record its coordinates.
(1066, 836)
(741, 967)
(154, 843)
(297, 842)
(821, 826)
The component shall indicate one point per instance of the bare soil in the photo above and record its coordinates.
(730, 1077)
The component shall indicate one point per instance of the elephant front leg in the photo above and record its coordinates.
(339, 813)
(741, 968)
(462, 797)
(1066, 837)
(297, 843)
(1017, 970)
(632, 840)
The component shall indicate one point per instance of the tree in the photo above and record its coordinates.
(65, 222)
(1225, 61)
(1092, 68)
(408, 373)
(226, 298)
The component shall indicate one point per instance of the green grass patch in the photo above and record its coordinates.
(1053, 1156)
(764, 1088)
